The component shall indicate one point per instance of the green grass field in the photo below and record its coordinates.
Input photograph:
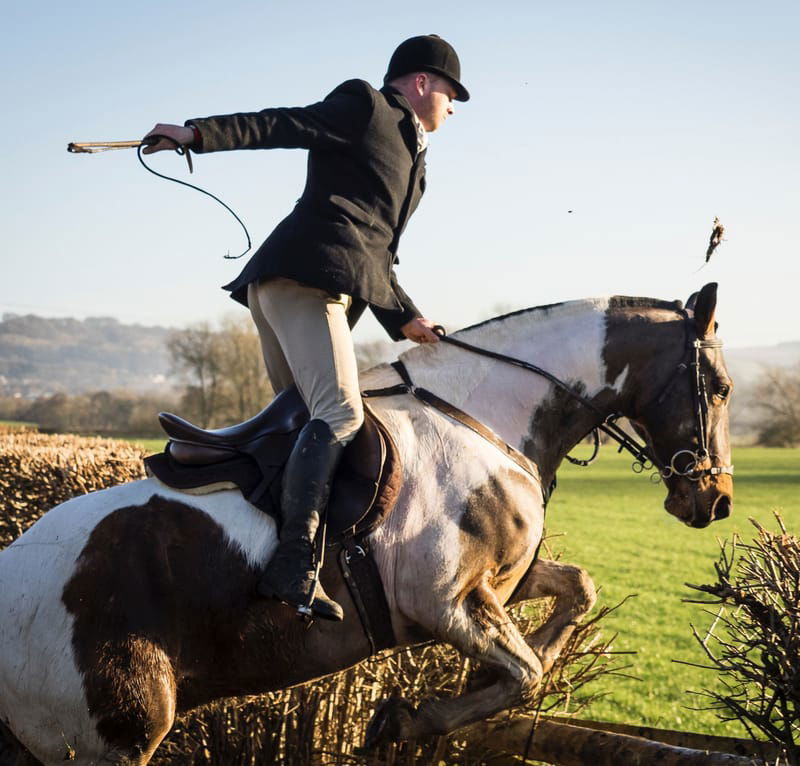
(150, 445)
(612, 522)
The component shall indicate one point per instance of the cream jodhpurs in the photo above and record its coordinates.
(306, 340)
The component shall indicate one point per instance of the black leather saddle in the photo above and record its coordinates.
(252, 455)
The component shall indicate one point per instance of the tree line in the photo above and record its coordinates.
(776, 401)
(102, 413)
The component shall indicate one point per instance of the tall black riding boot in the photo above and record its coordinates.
(307, 479)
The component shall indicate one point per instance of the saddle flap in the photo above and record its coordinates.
(355, 486)
(366, 453)
(375, 455)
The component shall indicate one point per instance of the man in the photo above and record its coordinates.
(334, 254)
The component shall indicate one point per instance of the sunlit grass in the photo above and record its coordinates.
(149, 445)
(612, 522)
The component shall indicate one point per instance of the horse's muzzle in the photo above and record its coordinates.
(697, 504)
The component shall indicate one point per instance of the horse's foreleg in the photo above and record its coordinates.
(575, 595)
(480, 628)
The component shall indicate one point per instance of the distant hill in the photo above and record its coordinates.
(40, 356)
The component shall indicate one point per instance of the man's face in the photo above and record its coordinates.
(434, 102)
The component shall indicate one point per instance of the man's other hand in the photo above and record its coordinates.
(178, 133)
(420, 330)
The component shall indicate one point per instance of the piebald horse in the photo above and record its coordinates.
(121, 608)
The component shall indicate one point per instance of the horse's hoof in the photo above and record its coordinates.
(393, 721)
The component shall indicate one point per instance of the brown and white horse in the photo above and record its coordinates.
(121, 608)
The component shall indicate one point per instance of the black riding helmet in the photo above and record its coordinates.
(427, 53)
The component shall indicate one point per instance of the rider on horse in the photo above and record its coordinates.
(329, 259)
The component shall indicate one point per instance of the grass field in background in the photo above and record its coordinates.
(612, 522)
(150, 445)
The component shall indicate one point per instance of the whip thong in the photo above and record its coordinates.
(93, 147)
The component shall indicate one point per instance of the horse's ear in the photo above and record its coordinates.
(704, 307)
(691, 301)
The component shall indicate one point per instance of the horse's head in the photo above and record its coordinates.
(685, 419)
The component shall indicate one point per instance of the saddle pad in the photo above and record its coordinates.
(364, 490)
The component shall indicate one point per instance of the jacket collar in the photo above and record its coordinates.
(409, 125)
(391, 91)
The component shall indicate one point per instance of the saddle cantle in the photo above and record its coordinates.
(252, 455)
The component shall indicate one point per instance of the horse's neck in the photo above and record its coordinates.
(524, 408)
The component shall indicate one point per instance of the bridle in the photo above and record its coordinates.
(690, 363)
(644, 458)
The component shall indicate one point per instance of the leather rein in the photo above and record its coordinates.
(644, 458)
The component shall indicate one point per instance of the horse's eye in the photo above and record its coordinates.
(723, 392)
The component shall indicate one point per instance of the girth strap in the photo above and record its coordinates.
(364, 582)
(428, 397)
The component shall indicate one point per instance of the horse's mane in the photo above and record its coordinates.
(549, 309)
(627, 301)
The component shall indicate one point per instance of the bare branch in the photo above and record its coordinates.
(757, 641)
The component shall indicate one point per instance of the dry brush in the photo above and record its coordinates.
(753, 643)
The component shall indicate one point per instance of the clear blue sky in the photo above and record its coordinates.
(645, 119)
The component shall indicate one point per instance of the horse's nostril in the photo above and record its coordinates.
(722, 508)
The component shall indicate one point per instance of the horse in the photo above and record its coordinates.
(123, 607)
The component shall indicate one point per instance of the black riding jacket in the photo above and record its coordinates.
(365, 179)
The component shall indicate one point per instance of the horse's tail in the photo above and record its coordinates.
(12, 753)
